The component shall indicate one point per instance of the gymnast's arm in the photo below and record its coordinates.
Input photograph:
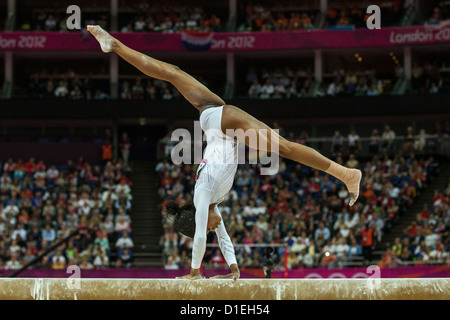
(201, 202)
(227, 248)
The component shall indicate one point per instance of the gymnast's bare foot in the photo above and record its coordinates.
(193, 275)
(352, 183)
(107, 42)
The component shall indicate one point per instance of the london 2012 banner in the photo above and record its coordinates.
(233, 41)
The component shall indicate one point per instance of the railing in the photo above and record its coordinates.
(271, 263)
(422, 263)
(350, 262)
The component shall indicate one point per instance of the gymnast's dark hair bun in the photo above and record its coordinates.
(184, 221)
(172, 208)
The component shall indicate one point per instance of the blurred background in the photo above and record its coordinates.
(85, 138)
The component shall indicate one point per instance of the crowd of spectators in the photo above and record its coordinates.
(427, 238)
(67, 85)
(353, 13)
(440, 12)
(285, 83)
(278, 82)
(141, 16)
(275, 17)
(339, 14)
(171, 18)
(301, 209)
(175, 16)
(427, 78)
(353, 83)
(385, 142)
(42, 204)
(73, 86)
(148, 89)
(264, 83)
(56, 20)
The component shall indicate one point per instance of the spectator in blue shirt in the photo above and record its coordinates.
(48, 234)
(322, 229)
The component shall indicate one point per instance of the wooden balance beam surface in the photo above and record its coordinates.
(208, 289)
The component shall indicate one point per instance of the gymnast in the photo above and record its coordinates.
(214, 175)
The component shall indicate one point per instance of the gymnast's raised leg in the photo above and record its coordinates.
(233, 118)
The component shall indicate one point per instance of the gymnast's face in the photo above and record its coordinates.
(213, 220)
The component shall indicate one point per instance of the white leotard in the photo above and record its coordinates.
(215, 177)
(219, 166)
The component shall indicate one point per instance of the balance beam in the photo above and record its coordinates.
(221, 289)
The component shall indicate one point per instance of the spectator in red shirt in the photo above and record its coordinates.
(438, 198)
(425, 213)
(19, 169)
(313, 187)
(413, 230)
(9, 166)
(30, 166)
(281, 204)
(107, 151)
(26, 194)
(167, 180)
(41, 165)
